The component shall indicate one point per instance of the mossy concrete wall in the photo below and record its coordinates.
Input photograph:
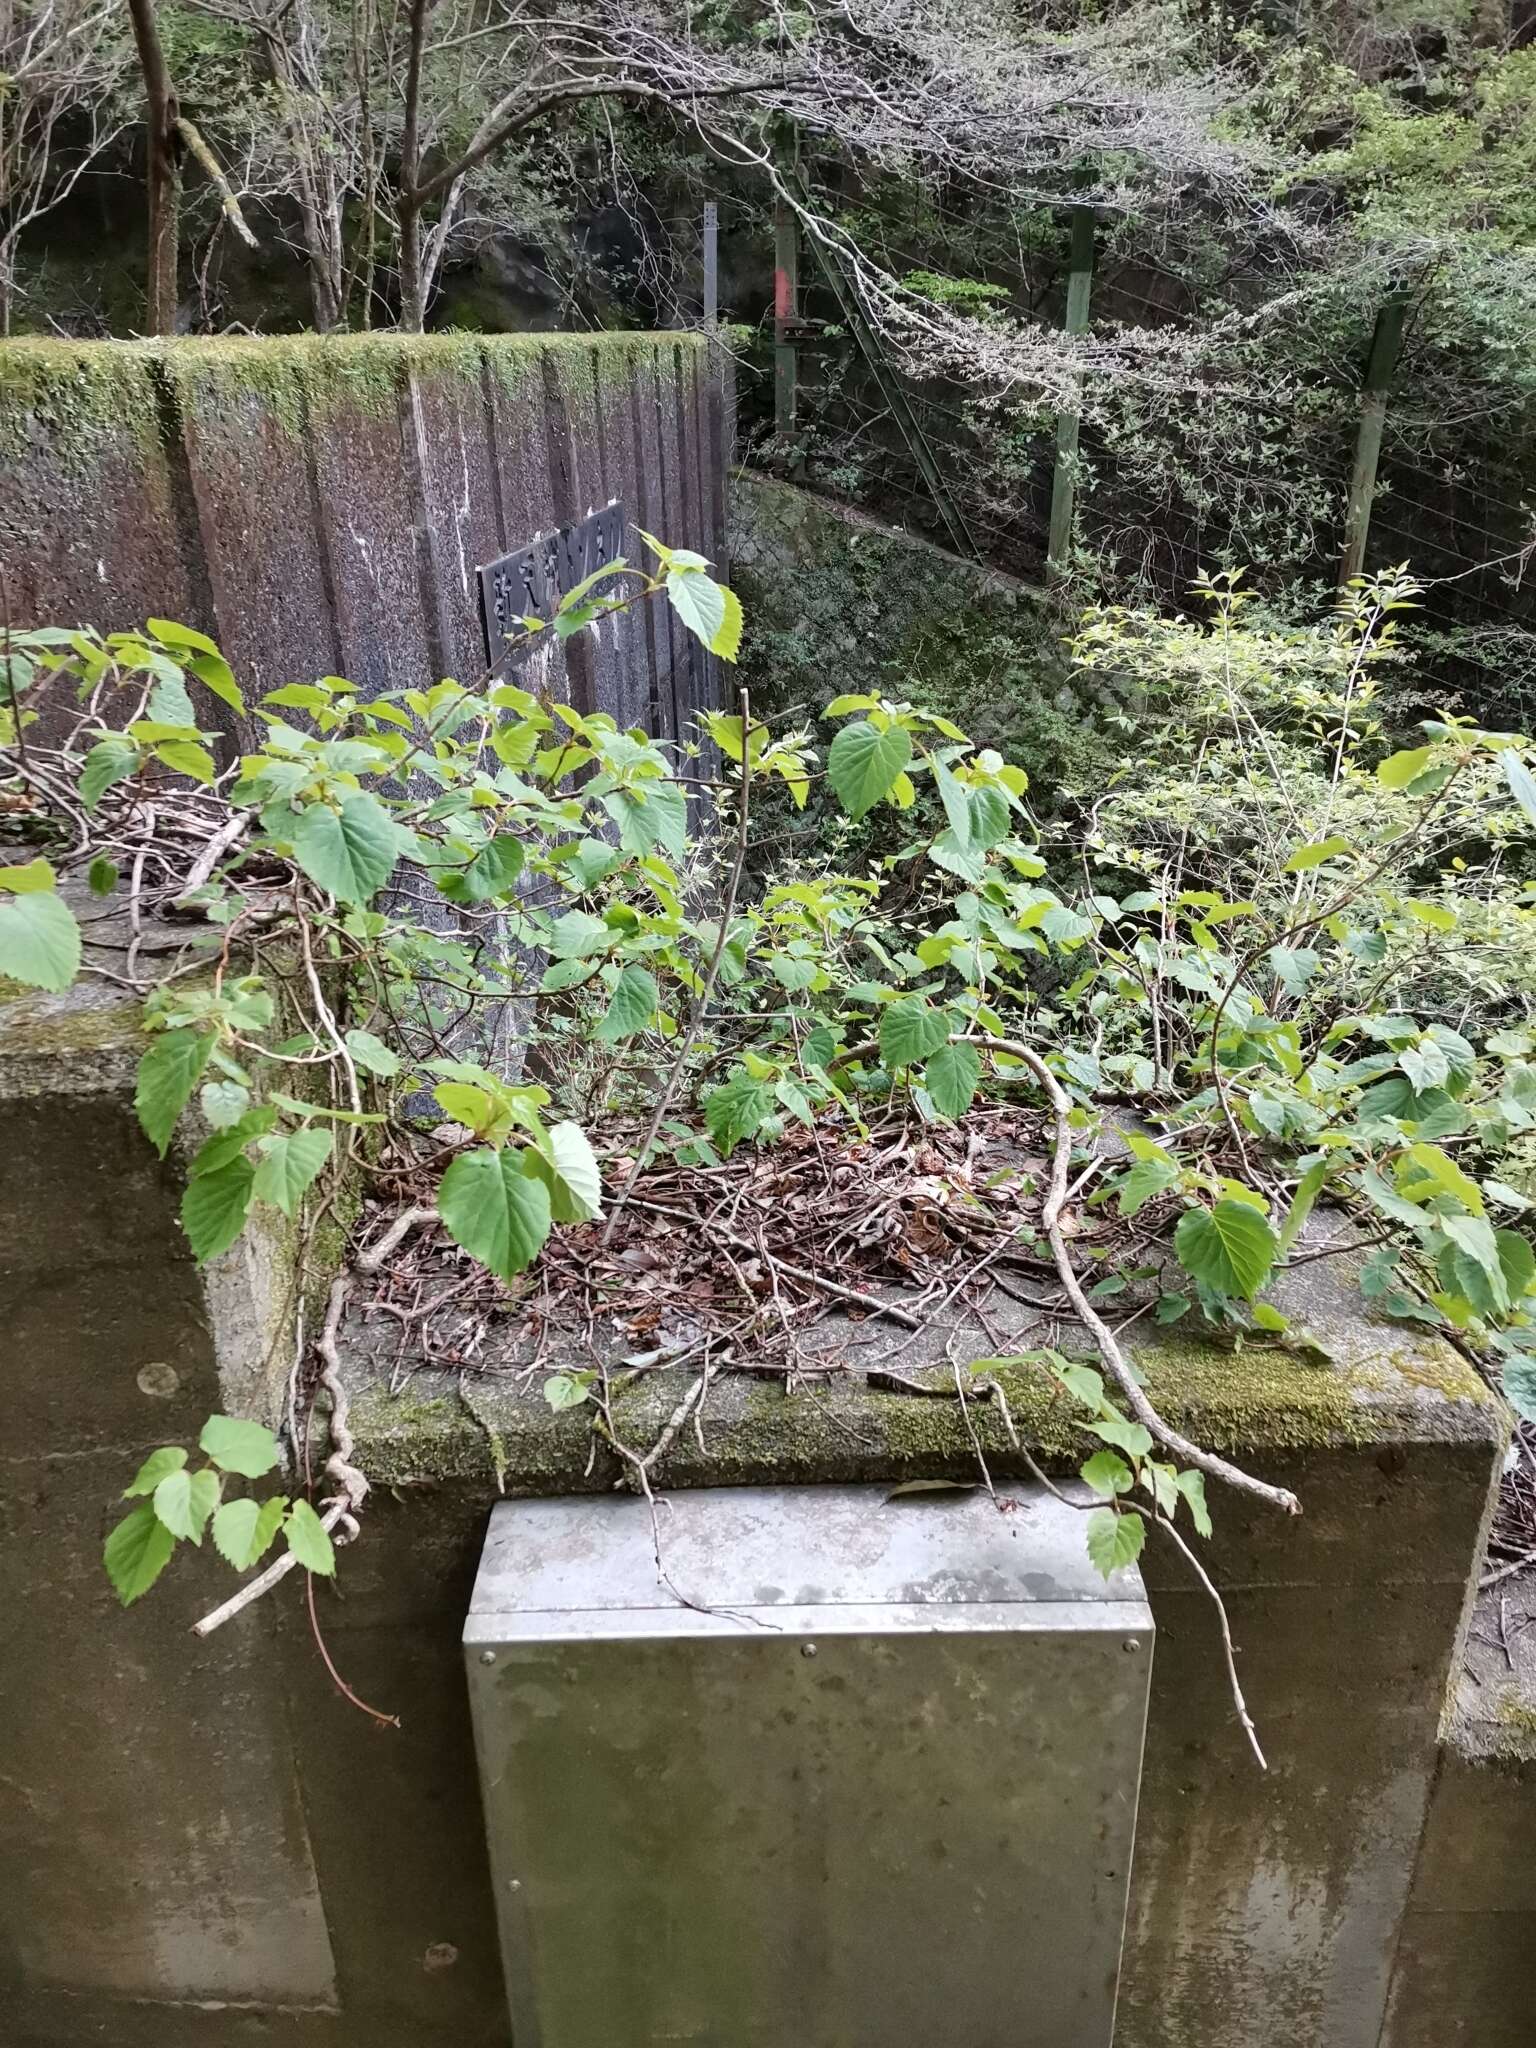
(879, 587)
(320, 504)
(835, 600)
(205, 1844)
(1462, 1978)
(1264, 1908)
(152, 1834)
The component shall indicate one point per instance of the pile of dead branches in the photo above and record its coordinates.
(898, 1225)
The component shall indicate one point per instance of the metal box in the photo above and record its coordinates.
(847, 1772)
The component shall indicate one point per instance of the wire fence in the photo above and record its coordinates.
(1152, 511)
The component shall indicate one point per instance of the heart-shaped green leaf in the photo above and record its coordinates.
(952, 1077)
(288, 1165)
(39, 940)
(631, 1006)
(242, 1529)
(351, 851)
(1114, 1540)
(309, 1539)
(168, 1072)
(1231, 1247)
(909, 1031)
(184, 1500)
(568, 1167)
(863, 764)
(214, 1207)
(137, 1552)
(498, 1212)
(236, 1445)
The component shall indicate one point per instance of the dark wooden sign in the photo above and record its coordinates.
(529, 582)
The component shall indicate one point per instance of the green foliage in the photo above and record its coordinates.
(1459, 160)
(185, 1502)
(951, 1077)
(1114, 1540)
(864, 762)
(309, 1539)
(39, 938)
(973, 296)
(236, 1446)
(497, 1208)
(1264, 931)
(350, 850)
(1228, 1249)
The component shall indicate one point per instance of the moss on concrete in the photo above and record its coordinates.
(1366, 1387)
(76, 397)
(829, 590)
(1513, 1710)
(77, 394)
(405, 1440)
(86, 1041)
(44, 1025)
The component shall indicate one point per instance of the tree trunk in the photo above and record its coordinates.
(318, 201)
(413, 295)
(164, 170)
(413, 303)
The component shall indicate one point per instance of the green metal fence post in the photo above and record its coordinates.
(1386, 347)
(1064, 481)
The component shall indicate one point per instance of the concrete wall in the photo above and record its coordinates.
(320, 505)
(1462, 1968)
(205, 1844)
(152, 1835)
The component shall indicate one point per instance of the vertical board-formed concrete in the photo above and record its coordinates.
(370, 517)
(657, 517)
(77, 430)
(618, 398)
(246, 449)
(320, 505)
(578, 486)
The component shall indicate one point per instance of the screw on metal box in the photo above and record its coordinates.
(929, 1838)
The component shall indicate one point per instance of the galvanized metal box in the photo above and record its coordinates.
(849, 1772)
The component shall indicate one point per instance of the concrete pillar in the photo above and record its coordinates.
(154, 1846)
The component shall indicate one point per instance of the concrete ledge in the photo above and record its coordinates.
(1339, 1379)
